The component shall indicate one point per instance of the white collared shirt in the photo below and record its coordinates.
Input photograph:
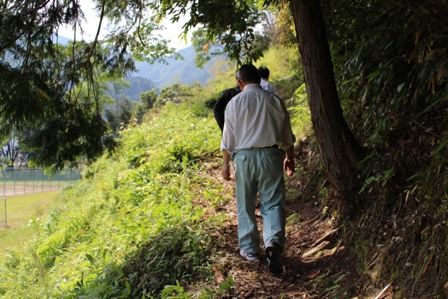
(256, 118)
(266, 85)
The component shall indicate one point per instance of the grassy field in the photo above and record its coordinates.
(20, 210)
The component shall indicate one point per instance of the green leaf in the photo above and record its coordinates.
(90, 258)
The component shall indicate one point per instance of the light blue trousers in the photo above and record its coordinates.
(260, 170)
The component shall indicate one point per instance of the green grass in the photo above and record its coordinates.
(135, 211)
(20, 210)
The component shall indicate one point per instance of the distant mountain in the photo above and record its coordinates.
(137, 86)
(185, 71)
(59, 39)
(160, 75)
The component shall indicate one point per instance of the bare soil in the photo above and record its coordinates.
(316, 261)
(8, 190)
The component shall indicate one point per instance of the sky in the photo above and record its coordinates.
(171, 32)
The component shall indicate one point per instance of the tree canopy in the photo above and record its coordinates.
(55, 89)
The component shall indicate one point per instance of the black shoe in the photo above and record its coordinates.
(274, 264)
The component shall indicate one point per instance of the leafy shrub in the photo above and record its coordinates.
(210, 103)
(300, 113)
(177, 254)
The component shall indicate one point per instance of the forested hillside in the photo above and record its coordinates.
(137, 85)
(171, 71)
(181, 71)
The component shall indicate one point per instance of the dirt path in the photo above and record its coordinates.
(316, 263)
(17, 190)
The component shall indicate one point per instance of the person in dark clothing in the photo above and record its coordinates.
(220, 106)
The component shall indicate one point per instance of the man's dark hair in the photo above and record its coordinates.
(263, 72)
(248, 74)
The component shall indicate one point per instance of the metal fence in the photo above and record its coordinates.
(15, 181)
(3, 219)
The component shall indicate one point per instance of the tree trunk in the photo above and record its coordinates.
(339, 149)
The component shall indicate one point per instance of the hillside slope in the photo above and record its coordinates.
(155, 212)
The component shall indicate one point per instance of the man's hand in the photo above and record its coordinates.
(289, 166)
(225, 171)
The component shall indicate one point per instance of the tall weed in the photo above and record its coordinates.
(139, 201)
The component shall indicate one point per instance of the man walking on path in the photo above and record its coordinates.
(265, 84)
(257, 133)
